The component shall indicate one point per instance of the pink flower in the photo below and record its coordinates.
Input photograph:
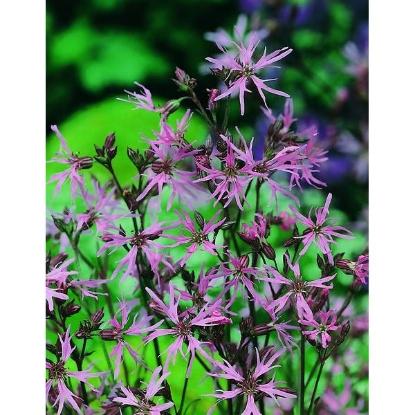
(251, 382)
(244, 68)
(142, 241)
(322, 327)
(184, 324)
(101, 209)
(145, 403)
(236, 171)
(198, 237)
(141, 100)
(58, 375)
(318, 232)
(57, 276)
(119, 331)
(238, 274)
(65, 156)
(296, 289)
(165, 171)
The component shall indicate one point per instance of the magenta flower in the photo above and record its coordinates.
(360, 268)
(184, 324)
(251, 383)
(56, 282)
(296, 289)
(119, 331)
(318, 232)
(238, 274)
(322, 327)
(198, 237)
(142, 241)
(141, 100)
(165, 171)
(168, 137)
(244, 70)
(58, 376)
(236, 171)
(65, 156)
(102, 206)
(145, 403)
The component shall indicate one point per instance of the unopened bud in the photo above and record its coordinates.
(184, 81)
(109, 141)
(135, 156)
(97, 316)
(213, 105)
(262, 329)
(70, 309)
(227, 225)
(85, 163)
(343, 333)
(244, 261)
(246, 327)
(170, 107)
(58, 259)
(62, 226)
(109, 334)
(268, 250)
(200, 220)
(345, 265)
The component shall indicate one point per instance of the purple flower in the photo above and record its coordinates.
(58, 375)
(318, 232)
(165, 171)
(184, 324)
(141, 100)
(57, 276)
(142, 241)
(101, 207)
(238, 274)
(198, 237)
(236, 171)
(65, 156)
(252, 383)
(296, 289)
(145, 403)
(322, 327)
(119, 331)
(243, 69)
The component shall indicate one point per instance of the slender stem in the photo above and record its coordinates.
(302, 374)
(347, 300)
(322, 362)
(186, 381)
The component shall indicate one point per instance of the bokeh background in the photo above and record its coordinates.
(97, 49)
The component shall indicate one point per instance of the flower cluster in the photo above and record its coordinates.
(188, 268)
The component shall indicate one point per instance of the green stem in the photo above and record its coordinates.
(322, 362)
(302, 375)
(186, 381)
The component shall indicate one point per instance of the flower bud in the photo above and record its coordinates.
(268, 250)
(109, 141)
(213, 105)
(70, 309)
(85, 163)
(200, 220)
(58, 259)
(262, 329)
(184, 81)
(227, 225)
(109, 334)
(246, 327)
(97, 316)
